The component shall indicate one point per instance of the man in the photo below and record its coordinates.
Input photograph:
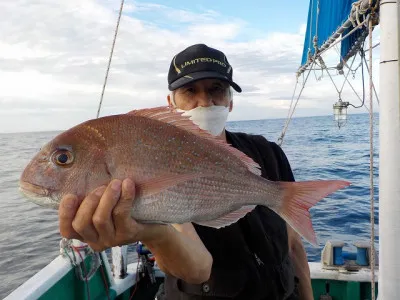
(258, 257)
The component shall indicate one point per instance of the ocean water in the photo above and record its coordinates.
(315, 147)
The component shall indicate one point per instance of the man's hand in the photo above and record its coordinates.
(301, 269)
(103, 219)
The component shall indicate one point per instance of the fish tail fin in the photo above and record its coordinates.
(299, 197)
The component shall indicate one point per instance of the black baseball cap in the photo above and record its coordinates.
(199, 62)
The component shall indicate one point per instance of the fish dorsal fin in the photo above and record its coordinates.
(169, 115)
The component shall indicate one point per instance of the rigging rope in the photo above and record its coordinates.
(310, 39)
(291, 112)
(362, 76)
(362, 56)
(371, 154)
(316, 57)
(347, 80)
(376, 45)
(347, 35)
(110, 58)
(319, 53)
(67, 247)
(291, 103)
(316, 29)
(341, 57)
(66, 244)
(333, 40)
(322, 63)
(347, 75)
(280, 139)
(361, 100)
(373, 85)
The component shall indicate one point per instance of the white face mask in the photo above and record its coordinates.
(211, 118)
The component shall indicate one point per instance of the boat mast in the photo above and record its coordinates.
(389, 154)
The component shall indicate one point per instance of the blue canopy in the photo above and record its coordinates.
(324, 22)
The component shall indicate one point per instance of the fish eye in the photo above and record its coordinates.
(62, 157)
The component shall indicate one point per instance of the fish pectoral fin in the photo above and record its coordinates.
(228, 219)
(158, 184)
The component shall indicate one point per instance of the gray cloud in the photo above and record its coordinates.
(54, 54)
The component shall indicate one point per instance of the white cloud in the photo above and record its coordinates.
(54, 54)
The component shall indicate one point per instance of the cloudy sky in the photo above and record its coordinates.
(54, 55)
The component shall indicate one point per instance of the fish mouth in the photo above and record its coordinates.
(30, 189)
(37, 194)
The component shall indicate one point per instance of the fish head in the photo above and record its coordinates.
(74, 162)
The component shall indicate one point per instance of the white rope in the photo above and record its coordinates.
(322, 68)
(376, 45)
(341, 39)
(353, 7)
(290, 107)
(331, 41)
(323, 65)
(371, 154)
(358, 6)
(353, 71)
(327, 71)
(66, 247)
(348, 72)
(280, 139)
(359, 98)
(110, 58)
(341, 58)
(346, 36)
(347, 80)
(373, 85)
(312, 26)
(316, 30)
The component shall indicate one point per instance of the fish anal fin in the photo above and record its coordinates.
(229, 218)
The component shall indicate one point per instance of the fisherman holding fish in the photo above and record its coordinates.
(219, 210)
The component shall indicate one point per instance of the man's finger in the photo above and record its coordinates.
(124, 223)
(123, 209)
(66, 213)
(83, 223)
(102, 218)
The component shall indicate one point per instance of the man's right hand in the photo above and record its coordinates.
(103, 219)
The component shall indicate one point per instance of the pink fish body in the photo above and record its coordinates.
(182, 173)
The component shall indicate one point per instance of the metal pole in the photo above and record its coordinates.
(389, 154)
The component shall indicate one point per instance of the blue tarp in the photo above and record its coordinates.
(332, 14)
